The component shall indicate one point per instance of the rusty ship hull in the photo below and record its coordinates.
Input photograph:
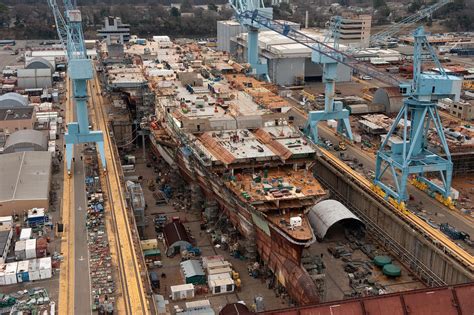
(277, 251)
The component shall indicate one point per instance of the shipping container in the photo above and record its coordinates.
(2, 274)
(208, 259)
(218, 264)
(183, 291)
(219, 270)
(149, 244)
(20, 250)
(221, 286)
(22, 271)
(30, 249)
(45, 268)
(33, 270)
(41, 247)
(6, 223)
(219, 276)
(10, 273)
(25, 234)
(5, 242)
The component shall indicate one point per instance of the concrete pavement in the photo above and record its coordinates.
(82, 292)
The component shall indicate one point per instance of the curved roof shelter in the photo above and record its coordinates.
(327, 213)
(390, 97)
(39, 63)
(235, 309)
(176, 238)
(26, 140)
(10, 100)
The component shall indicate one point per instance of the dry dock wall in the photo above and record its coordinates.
(420, 255)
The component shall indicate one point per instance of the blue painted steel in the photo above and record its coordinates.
(412, 156)
(258, 65)
(80, 70)
(332, 109)
(284, 29)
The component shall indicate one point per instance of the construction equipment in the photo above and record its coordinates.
(258, 67)
(69, 28)
(341, 146)
(412, 156)
(381, 37)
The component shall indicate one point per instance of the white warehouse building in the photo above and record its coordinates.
(289, 63)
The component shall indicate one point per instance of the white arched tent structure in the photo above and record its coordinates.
(327, 213)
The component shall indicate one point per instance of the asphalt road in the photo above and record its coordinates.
(82, 285)
(432, 208)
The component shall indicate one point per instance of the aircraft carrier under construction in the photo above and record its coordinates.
(239, 147)
(253, 160)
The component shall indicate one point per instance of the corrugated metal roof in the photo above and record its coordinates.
(326, 213)
(191, 268)
(235, 309)
(25, 176)
(13, 100)
(29, 136)
(175, 232)
(39, 63)
(456, 299)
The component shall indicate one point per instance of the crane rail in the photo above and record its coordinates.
(133, 292)
(435, 236)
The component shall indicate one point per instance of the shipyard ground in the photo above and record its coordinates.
(337, 281)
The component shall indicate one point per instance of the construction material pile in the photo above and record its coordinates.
(32, 301)
(102, 282)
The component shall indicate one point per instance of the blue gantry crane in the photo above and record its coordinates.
(330, 60)
(69, 28)
(329, 56)
(258, 66)
(412, 156)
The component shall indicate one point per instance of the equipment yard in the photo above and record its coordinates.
(277, 168)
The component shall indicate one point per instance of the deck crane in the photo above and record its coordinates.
(69, 28)
(258, 66)
(413, 157)
(382, 36)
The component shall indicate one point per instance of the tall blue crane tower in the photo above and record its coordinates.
(258, 66)
(330, 59)
(413, 156)
(69, 28)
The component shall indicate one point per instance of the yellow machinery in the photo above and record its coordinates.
(308, 96)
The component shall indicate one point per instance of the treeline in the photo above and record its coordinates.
(34, 19)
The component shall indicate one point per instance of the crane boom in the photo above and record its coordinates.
(321, 47)
(393, 29)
